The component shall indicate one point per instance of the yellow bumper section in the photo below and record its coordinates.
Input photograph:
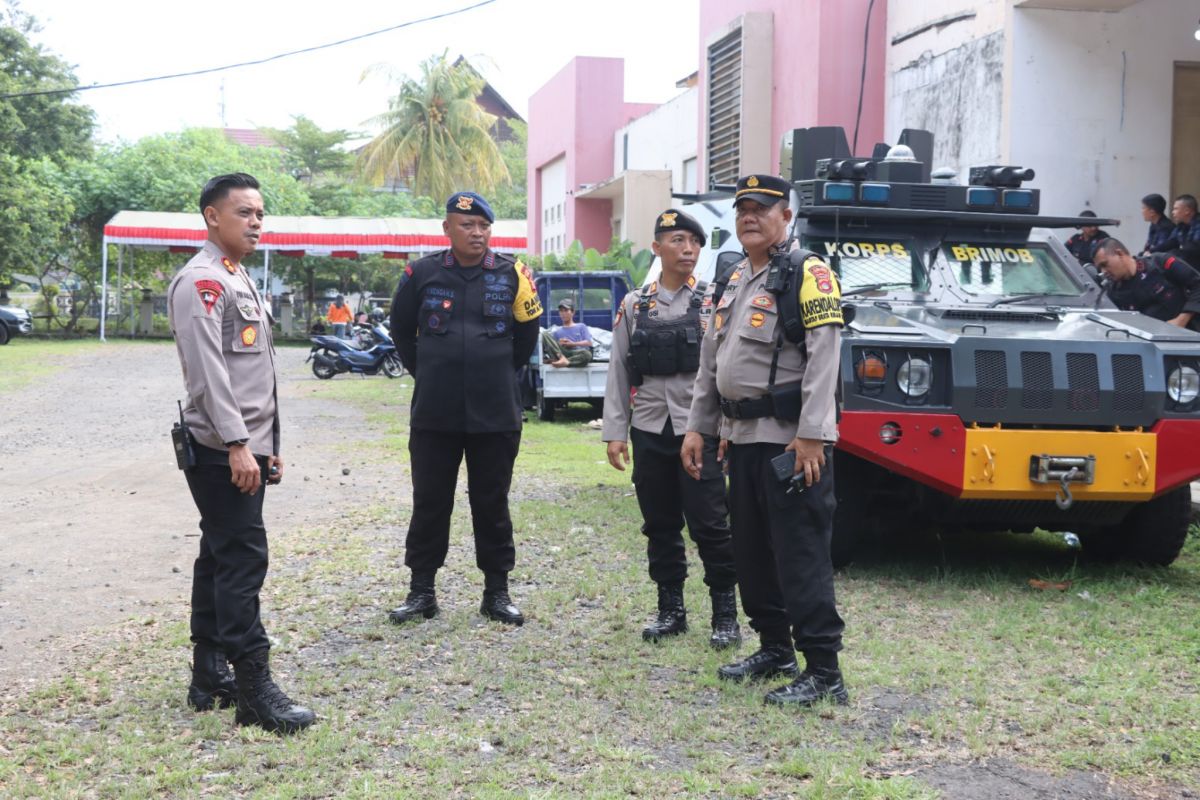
(997, 464)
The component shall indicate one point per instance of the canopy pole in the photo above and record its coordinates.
(103, 286)
(132, 304)
(120, 275)
(266, 272)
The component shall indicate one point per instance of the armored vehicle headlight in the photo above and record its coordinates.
(915, 377)
(871, 370)
(1183, 384)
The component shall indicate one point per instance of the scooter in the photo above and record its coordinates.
(331, 355)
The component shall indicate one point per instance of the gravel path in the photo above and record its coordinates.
(98, 526)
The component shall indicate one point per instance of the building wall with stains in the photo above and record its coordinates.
(945, 74)
(1092, 105)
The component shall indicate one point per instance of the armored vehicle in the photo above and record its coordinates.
(987, 381)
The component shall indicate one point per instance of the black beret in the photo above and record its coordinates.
(675, 220)
(470, 204)
(765, 189)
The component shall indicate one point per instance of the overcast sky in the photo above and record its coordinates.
(517, 44)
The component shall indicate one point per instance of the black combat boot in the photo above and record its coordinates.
(725, 630)
(496, 603)
(212, 682)
(672, 616)
(771, 660)
(813, 685)
(261, 702)
(421, 602)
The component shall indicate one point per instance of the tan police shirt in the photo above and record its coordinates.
(735, 358)
(223, 334)
(660, 396)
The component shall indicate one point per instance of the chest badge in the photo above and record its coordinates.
(757, 319)
(249, 336)
(718, 321)
(763, 302)
(447, 304)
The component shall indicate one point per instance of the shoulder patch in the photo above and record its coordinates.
(820, 295)
(526, 306)
(210, 291)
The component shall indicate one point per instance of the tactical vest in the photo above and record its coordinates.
(665, 347)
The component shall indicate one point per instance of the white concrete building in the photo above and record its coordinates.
(1100, 97)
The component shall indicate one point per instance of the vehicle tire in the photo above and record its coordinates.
(321, 371)
(1154, 532)
(4, 334)
(392, 366)
(545, 408)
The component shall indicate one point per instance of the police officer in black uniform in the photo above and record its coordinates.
(656, 352)
(464, 320)
(1083, 244)
(1160, 285)
(1158, 237)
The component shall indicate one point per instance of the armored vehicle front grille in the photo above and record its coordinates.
(1083, 381)
(1128, 384)
(927, 197)
(1037, 380)
(991, 379)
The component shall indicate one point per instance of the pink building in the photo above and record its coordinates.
(765, 67)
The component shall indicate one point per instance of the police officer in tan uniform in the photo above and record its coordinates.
(223, 335)
(769, 396)
(655, 352)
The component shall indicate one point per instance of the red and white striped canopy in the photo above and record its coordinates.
(345, 237)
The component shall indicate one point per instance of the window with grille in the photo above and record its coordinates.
(724, 108)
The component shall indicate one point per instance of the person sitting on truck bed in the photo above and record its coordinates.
(1159, 285)
(569, 345)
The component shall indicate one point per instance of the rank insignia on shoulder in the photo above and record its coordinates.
(763, 301)
(229, 266)
(249, 335)
(757, 319)
(691, 281)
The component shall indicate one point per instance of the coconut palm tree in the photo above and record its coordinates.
(435, 131)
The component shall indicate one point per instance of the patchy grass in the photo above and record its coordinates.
(25, 360)
(950, 656)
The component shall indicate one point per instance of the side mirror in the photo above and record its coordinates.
(719, 237)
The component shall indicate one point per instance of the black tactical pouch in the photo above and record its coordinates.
(185, 446)
(787, 399)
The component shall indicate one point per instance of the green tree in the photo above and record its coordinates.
(435, 129)
(310, 152)
(37, 126)
(509, 200)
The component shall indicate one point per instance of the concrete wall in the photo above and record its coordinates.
(574, 116)
(661, 139)
(816, 65)
(948, 79)
(1074, 74)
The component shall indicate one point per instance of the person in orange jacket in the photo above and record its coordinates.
(339, 316)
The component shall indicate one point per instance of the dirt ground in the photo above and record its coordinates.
(99, 527)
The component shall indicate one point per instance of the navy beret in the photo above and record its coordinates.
(675, 220)
(470, 204)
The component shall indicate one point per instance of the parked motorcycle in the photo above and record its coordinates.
(331, 355)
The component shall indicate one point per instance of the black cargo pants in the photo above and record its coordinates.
(668, 497)
(229, 572)
(781, 547)
(435, 457)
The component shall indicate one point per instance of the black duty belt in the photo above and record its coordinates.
(751, 408)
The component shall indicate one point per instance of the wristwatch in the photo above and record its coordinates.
(236, 441)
